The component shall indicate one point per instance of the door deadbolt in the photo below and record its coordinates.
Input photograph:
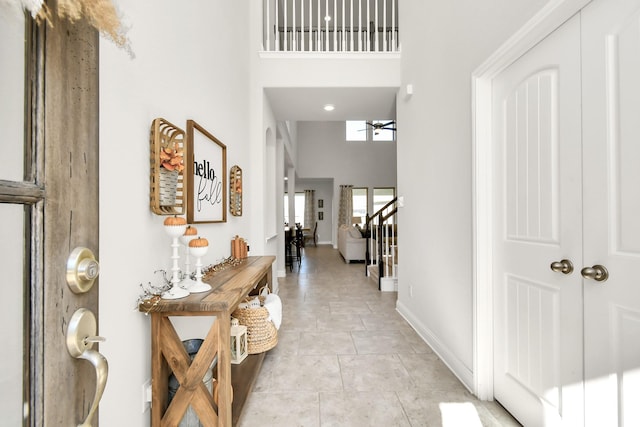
(82, 270)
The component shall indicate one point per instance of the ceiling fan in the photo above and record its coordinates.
(378, 126)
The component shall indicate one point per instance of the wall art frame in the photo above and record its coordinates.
(206, 170)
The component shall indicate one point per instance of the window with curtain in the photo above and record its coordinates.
(360, 202)
(299, 206)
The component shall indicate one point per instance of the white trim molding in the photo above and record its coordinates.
(549, 18)
(448, 357)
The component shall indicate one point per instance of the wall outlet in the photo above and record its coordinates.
(146, 396)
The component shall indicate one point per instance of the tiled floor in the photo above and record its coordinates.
(345, 357)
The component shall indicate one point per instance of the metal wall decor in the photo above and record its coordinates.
(235, 191)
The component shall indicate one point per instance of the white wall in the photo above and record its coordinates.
(186, 67)
(323, 152)
(323, 191)
(442, 43)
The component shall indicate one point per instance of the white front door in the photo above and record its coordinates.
(566, 131)
(537, 221)
(611, 173)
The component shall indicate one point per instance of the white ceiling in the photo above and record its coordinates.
(305, 104)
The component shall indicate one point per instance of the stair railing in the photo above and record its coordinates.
(381, 228)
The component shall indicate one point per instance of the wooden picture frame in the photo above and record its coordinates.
(320, 216)
(206, 169)
(320, 203)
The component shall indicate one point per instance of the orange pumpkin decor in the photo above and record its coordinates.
(191, 231)
(200, 242)
(175, 220)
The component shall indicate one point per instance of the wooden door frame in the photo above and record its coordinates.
(547, 20)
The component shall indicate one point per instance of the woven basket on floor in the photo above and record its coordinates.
(262, 334)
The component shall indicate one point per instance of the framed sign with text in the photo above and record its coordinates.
(206, 176)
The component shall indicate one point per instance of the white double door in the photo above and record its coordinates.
(567, 187)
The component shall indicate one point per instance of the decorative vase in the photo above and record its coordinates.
(168, 187)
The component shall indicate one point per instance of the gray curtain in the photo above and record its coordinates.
(346, 205)
(309, 208)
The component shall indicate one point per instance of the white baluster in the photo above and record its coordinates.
(384, 25)
(268, 30)
(344, 34)
(393, 26)
(286, 30)
(360, 25)
(326, 26)
(277, 35)
(375, 28)
(368, 25)
(310, 25)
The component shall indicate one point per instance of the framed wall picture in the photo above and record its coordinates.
(320, 216)
(206, 176)
(320, 203)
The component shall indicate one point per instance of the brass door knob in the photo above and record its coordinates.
(598, 273)
(565, 266)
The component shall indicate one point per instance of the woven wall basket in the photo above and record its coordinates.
(262, 334)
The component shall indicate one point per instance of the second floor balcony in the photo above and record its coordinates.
(347, 26)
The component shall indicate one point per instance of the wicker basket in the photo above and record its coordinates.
(262, 334)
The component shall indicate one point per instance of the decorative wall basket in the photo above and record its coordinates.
(168, 186)
(235, 191)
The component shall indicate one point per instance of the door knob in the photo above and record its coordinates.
(565, 266)
(598, 273)
(81, 334)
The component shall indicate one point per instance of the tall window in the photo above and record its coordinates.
(382, 196)
(299, 206)
(360, 202)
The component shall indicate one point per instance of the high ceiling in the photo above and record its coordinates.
(305, 104)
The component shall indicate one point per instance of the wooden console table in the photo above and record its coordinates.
(229, 288)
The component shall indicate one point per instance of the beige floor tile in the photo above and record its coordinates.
(327, 343)
(428, 372)
(305, 373)
(381, 342)
(379, 372)
(281, 410)
(359, 409)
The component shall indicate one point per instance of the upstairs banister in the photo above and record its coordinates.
(331, 25)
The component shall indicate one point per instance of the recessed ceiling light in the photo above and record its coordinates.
(327, 18)
(329, 107)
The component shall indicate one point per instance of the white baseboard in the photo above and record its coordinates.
(464, 374)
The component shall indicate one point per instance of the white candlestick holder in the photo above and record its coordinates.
(199, 252)
(175, 231)
(187, 282)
